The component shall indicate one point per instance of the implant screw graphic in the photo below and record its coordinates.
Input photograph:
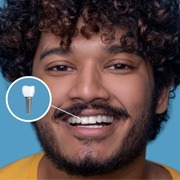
(28, 92)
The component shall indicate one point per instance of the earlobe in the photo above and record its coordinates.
(163, 100)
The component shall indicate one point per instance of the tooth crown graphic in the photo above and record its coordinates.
(28, 93)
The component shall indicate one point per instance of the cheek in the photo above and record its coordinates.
(58, 90)
(132, 93)
(57, 87)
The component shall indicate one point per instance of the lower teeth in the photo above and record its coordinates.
(91, 126)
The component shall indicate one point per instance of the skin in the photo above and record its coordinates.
(91, 77)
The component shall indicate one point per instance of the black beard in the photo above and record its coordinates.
(132, 147)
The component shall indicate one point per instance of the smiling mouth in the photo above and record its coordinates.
(91, 121)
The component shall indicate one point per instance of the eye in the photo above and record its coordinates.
(60, 68)
(118, 66)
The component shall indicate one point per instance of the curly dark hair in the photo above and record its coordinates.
(152, 31)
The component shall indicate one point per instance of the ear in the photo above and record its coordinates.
(163, 100)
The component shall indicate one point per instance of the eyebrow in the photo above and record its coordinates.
(54, 51)
(114, 49)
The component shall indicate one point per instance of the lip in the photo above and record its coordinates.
(96, 133)
(91, 112)
(83, 132)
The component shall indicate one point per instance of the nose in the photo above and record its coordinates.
(88, 87)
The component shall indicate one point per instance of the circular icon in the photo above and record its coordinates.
(28, 99)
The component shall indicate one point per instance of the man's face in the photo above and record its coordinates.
(112, 91)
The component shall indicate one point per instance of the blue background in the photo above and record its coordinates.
(40, 100)
(17, 139)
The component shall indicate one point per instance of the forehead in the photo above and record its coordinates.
(50, 45)
(48, 41)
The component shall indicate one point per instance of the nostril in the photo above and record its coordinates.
(89, 95)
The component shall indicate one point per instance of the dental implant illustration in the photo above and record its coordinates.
(28, 92)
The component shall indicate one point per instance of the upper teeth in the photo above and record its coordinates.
(90, 120)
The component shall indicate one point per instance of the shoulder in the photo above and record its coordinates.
(165, 170)
(23, 168)
(174, 174)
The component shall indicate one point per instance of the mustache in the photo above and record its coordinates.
(105, 109)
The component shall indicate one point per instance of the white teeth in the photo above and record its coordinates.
(84, 120)
(77, 120)
(90, 120)
(99, 119)
(104, 119)
(73, 121)
(110, 120)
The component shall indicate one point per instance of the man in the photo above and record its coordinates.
(112, 63)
